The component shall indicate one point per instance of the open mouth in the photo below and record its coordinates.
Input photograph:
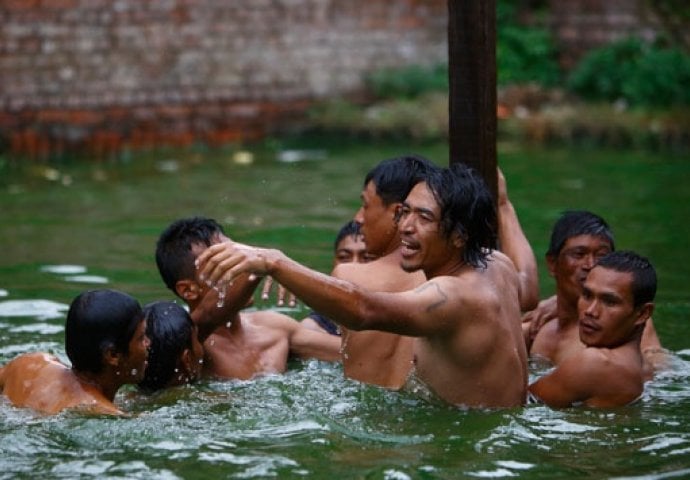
(408, 248)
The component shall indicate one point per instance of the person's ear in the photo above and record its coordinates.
(457, 239)
(644, 313)
(186, 361)
(394, 209)
(551, 261)
(188, 290)
(190, 372)
(111, 357)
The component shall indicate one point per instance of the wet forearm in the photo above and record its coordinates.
(214, 311)
(344, 302)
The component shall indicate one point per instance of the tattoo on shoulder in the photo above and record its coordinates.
(443, 297)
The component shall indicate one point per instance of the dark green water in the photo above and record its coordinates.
(95, 225)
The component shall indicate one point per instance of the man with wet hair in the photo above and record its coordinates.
(175, 355)
(236, 345)
(616, 300)
(377, 357)
(349, 247)
(579, 238)
(384, 358)
(105, 339)
(465, 319)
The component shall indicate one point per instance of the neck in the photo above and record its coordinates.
(392, 247)
(451, 269)
(566, 309)
(97, 383)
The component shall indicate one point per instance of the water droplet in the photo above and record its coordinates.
(229, 324)
(201, 361)
(177, 370)
(221, 296)
(134, 372)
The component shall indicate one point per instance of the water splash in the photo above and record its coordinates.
(221, 297)
(343, 345)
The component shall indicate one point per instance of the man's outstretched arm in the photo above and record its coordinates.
(406, 313)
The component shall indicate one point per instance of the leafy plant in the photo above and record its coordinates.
(524, 53)
(637, 72)
(408, 82)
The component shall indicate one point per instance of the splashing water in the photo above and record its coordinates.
(221, 297)
(343, 345)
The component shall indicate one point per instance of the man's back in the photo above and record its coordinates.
(474, 354)
(41, 382)
(375, 357)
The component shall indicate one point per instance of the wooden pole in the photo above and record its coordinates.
(472, 78)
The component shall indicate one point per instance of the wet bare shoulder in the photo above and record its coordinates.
(354, 271)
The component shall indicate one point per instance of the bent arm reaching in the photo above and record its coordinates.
(307, 343)
(514, 244)
(590, 378)
(212, 311)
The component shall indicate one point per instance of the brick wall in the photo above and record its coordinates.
(100, 75)
(579, 25)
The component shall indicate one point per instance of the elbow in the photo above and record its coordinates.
(529, 294)
(529, 302)
(364, 317)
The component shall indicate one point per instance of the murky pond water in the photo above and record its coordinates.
(93, 225)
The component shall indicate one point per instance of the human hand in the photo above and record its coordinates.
(502, 198)
(537, 318)
(281, 293)
(221, 263)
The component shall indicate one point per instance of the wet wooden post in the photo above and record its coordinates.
(472, 78)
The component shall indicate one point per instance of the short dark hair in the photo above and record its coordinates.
(395, 177)
(643, 273)
(573, 223)
(350, 229)
(174, 247)
(467, 208)
(170, 329)
(98, 320)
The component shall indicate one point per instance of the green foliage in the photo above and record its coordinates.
(641, 74)
(408, 82)
(524, 54)
(422, 118)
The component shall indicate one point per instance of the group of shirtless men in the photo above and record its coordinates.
(432, 302)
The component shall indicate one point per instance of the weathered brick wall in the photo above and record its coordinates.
(580, 25)
(105, 74)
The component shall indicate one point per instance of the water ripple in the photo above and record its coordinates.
(39, 309)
